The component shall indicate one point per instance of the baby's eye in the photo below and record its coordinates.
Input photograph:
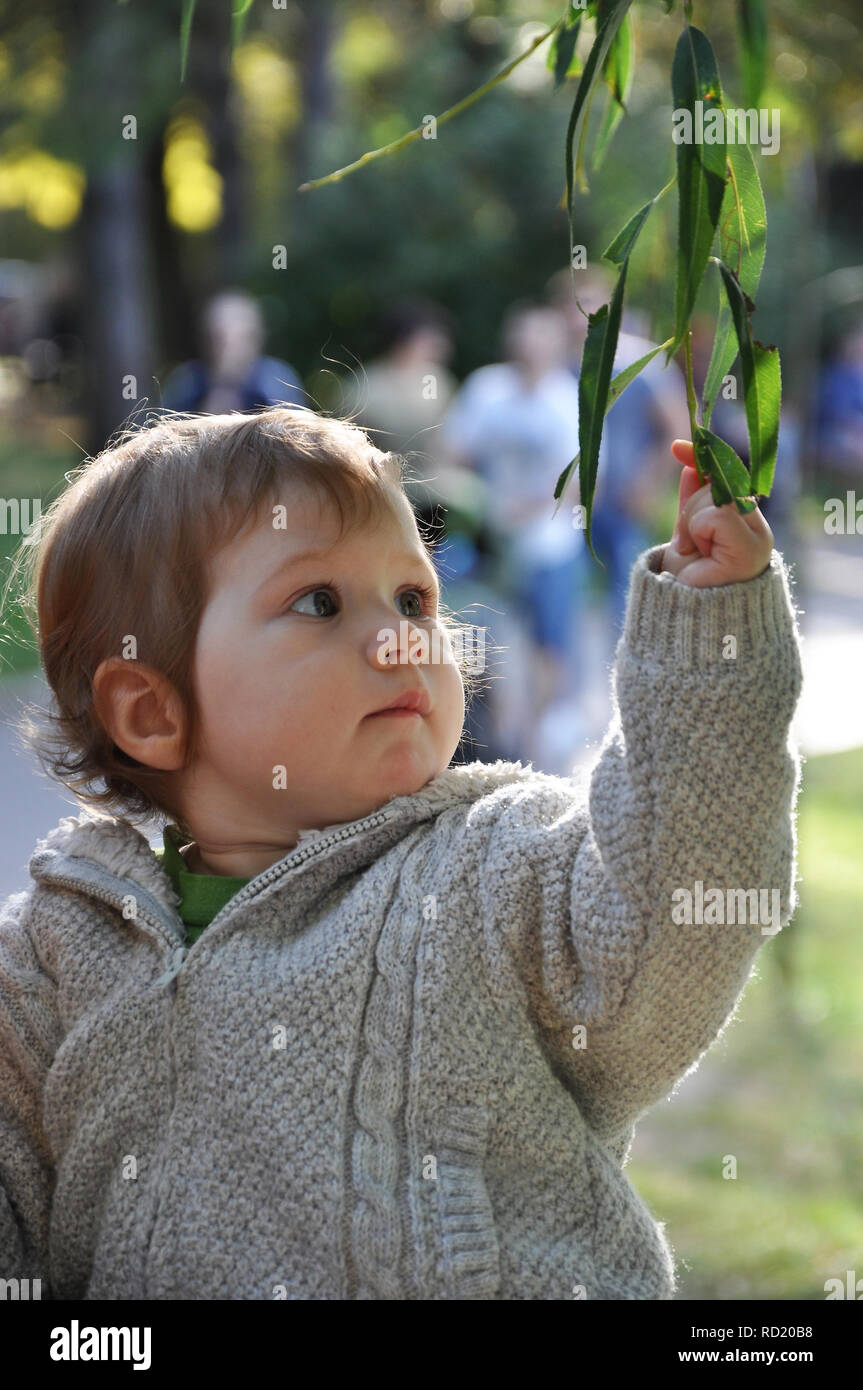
(420, 596)
(314, 596)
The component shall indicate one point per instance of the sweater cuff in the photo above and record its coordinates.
(667, 621)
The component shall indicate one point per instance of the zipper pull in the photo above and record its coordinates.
(176, 961)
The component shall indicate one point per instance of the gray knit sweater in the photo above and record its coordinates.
(405, 1061)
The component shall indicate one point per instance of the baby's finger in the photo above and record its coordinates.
(757, 522)
(684, 452)
(689, 485)
(698, 500)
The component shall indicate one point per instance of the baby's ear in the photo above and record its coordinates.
(141, 711)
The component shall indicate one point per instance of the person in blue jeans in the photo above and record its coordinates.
(515, 424)
(618, 535)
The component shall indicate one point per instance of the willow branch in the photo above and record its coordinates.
(446, 116)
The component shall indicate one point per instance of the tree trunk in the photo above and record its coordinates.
(317, 37)
(118, 318)
(209, 78)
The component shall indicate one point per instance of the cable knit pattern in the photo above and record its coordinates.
(377, 1231)
(406, 1061)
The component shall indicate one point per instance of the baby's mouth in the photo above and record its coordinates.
(415, 703)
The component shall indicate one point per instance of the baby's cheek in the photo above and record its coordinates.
(450, 698)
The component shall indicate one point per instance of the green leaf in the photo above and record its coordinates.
(700, 167)
(742, 243)
(611, 118)
(238, 20)
(618, 73)
(185, 32)
(614, 11)
(594, 380)
(620, 247)
(762, 387)
(562, 58)
(618, 62)
(729, 479)
(618, 385)
(752, 28)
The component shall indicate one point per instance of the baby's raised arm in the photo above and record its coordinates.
(633, 920)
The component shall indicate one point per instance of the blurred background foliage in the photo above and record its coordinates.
(473, 219)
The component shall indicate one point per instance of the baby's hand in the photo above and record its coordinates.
(713, 545)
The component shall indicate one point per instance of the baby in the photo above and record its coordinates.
(368, 1025)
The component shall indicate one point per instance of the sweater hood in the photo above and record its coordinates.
(95, 851)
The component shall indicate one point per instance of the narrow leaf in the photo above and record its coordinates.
(618, 73)
(618, 385)
(762, 389)
(597, 362)
(752, 28)
(238, 20)
(699, 132)
(611, 118)
(729, 479)
(562, 58)
(606, 30)
(742, 243)
(617, 66)
(185, 32)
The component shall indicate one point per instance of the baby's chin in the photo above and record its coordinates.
(394, 775)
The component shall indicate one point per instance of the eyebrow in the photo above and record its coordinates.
(292, 561)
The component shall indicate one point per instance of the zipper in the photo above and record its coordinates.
(264, 880)
(245, 895)
(296, 856)
(180, 952)
(115, 900)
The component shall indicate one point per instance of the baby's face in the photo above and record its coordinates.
(291, 662)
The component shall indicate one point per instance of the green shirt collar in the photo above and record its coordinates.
(201, 895)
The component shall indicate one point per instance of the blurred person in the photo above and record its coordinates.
(839, 406)
(233, 372)
(400, 398)
(516, 423)
(402, 395)
(637, 431)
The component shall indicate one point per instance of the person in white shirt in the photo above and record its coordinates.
(515, 423)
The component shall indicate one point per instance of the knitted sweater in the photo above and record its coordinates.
(405, 1061)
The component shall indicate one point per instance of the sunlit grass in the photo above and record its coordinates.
(780, 1092)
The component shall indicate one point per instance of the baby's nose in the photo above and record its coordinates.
(397, 644)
